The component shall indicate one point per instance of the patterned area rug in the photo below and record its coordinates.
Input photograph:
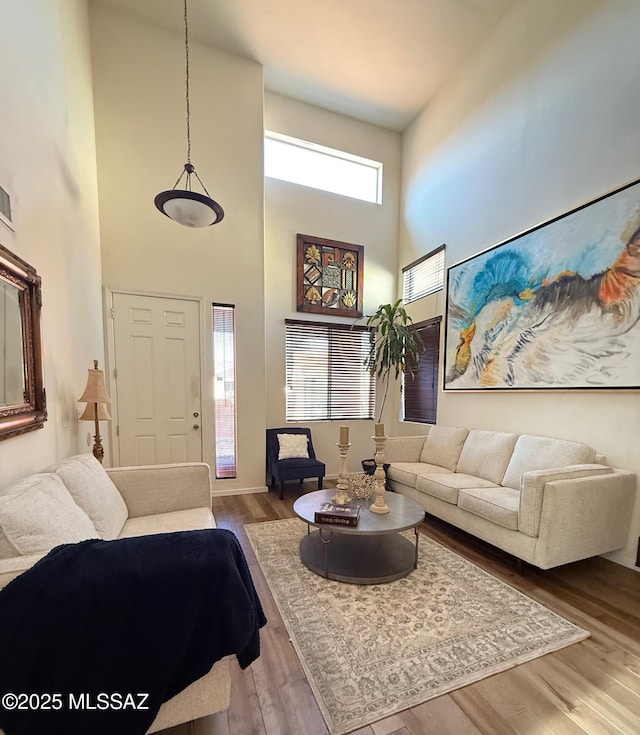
(371, 651)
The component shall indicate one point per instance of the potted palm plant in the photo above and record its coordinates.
(393, 345)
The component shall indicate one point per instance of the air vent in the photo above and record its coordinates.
(5, 204)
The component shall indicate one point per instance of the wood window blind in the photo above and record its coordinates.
(326, 379)
(224, 389)
(420, 393)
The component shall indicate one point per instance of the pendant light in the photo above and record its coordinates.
(187, 207)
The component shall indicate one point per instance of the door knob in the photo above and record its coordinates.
(196, 426)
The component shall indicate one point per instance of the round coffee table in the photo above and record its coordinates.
(373, 552)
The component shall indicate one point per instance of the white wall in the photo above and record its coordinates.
(47, 164)
(139, 90)
(291, 209)
(543, 120)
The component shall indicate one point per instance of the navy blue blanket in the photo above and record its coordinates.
(121, 619)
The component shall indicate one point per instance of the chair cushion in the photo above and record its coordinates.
(486, 454)
(293, 445)
(298, 468)
(542, 453)
(94, 491)
(38, 514)
(442, 446)
(447, 486)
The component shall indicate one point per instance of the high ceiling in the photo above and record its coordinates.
(376, 60)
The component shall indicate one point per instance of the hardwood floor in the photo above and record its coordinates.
(591, 687)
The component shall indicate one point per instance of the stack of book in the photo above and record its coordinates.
(338, 515)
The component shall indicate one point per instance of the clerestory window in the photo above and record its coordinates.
(309, 164)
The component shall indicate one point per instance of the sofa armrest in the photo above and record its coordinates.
(403, 448)
(532, 491)
(14, 566)
(584, 517)
(163, 488)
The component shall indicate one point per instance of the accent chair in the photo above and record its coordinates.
(286, 459)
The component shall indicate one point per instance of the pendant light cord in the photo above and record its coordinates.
(186, 49)
(186, 196)
(189, 169)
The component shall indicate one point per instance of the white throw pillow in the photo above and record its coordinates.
(38, 514)
(292, 446)
(93, 490)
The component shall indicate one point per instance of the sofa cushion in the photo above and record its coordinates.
(161, 488)
(542, 453)
(486, 454)
(407, 472)
(94, 491)
(37, 514)
(442, 446)
(192, 519)
(14, 566)
(447, 485)
(403, 448)
(497, 504)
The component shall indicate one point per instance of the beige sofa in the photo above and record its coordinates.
(78, 499)
(546, 501)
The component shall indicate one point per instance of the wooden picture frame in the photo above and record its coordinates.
(556, 307)
(329, 276)
(23, 404)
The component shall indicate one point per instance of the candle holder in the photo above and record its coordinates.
(342, 496)
(379, 506)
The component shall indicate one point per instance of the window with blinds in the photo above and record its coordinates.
(224, 389)
(326, 379)
(420, 392)
(424, 276)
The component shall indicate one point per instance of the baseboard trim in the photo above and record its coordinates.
(239, 491)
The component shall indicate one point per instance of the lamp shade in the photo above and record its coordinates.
(95, 391)
(189, 208)
(89, 412)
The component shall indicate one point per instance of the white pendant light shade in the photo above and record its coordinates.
(189, 208)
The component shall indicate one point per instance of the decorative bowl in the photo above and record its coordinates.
(361, 486)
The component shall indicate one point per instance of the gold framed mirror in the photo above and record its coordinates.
(22, 394)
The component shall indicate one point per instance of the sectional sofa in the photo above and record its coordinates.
(78, 499)
(545, 501)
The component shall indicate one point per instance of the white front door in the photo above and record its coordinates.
(157, 362)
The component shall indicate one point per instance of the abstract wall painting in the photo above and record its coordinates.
(557, 307)
(329, 276)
